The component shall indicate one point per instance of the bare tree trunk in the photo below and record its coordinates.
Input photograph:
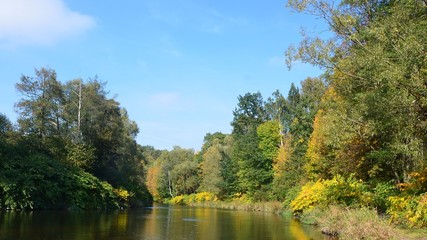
(170, 184)
(79, 107)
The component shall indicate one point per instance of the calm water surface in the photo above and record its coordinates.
(157, 222)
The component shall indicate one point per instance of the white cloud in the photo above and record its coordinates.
(41, 22)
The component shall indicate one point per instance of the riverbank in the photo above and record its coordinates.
(343, 222)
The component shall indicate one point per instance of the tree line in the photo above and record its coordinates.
(355, 135)
(261, 158)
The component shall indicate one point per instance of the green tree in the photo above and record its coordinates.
(40, 108)
(211, 178)
(270, 139)
(254, 170)
(178, 173)
(40, 112)
(229, 169)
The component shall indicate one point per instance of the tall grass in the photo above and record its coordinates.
(359, 223)
(274, 207)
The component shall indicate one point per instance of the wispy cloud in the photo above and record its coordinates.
(40, 22)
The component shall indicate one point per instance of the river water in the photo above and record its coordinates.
(154, 223)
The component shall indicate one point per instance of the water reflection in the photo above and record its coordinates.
(157, 222)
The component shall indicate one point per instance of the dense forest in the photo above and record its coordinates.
(355, 136)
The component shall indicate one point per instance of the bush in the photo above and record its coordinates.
(193, 198)
(338, 190)
(291, 194)
(177, 200)
(410, 211)
(382, 194)
(38, 182)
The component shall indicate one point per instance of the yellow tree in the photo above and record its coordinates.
(153, 175)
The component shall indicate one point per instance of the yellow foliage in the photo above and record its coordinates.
(316, 144)
(193, 198)
(122, 194)
(310, 195)
(337, 190)
(205, 197)
(409, 210)
(178, 200)
(152, 181)
(418, 182)
(283, 155)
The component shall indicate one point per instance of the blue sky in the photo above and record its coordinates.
(176, 66)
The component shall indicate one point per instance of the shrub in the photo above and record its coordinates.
(193, 198)
(337, 190)
(291, 194)
(38, 182)
(311, 194)
(382, 194)
(410, 211)
(417, 183)
(177, 200)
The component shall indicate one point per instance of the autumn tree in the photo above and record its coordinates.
(377, 63)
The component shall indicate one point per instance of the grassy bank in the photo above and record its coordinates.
(206, 199)
(349, 223)
(273, 207)
(335, 220)
(358, 223)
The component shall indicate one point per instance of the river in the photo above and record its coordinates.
(154, 223)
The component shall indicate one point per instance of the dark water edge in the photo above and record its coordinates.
(152, 223)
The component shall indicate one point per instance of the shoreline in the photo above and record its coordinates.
(366, 223)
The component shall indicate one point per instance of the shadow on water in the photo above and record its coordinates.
(152, 223)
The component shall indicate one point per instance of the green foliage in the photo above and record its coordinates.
(269, 134)
(290, 196)
(40, 110)
(264, 194)
(80, 155)
(382, 193)
(211, 170)
(178, 173)
(37, 182)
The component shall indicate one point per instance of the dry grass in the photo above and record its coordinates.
(359, 223)
(275, 207)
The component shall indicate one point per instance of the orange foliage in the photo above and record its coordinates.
(152, 181)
